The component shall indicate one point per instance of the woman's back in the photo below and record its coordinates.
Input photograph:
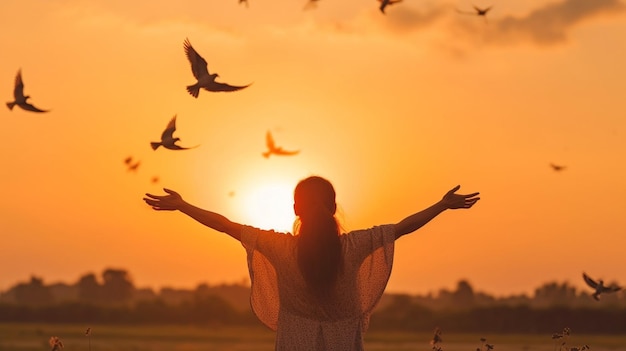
(281, 299)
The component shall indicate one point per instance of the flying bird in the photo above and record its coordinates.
(482, 12)
(477, 11)
(557, 168)
(244, 1)
(201, 72)
(167, 138)
(131, 166)
(276, 150)
(385, 3)
(599, 287)
(20, 98)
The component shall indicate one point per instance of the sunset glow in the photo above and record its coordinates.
(270, 206)
(394, 109)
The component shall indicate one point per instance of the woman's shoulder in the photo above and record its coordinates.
(259, 231)
(381, 228)
(252, 236)
(370, 237)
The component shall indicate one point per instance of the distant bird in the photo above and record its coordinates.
(599, 287)
(557, 168)
(155, 179)
(131, 166)
(167, 138)
(482, 12)
(276, 150)
(134, 166)
(244, 1)
(478, 12)
(20, 98)
(201, 72)
(385, 3)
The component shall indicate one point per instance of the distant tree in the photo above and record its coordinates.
(237, 295)
(117, 286)
(33, 293)
(89, 290)
(174, 296)
(515, 300)
(210, 308)
(554, 294)
(396, 308)
(62, 292)
(203, 289)
(144, 294)
(463, 297)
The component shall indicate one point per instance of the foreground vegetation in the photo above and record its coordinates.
(31, 337)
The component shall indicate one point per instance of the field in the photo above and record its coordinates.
(31, 337)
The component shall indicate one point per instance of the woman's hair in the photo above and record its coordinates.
(319, 249)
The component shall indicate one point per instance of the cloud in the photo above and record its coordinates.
(412, 24)
(407, 19)
(550, 24)
(545, 26)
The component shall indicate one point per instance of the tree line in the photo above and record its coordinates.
(113, 298)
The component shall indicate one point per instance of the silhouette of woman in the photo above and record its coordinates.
(317, 287)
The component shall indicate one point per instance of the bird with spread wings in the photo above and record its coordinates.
(205, 79)
(20, 98)
(557, 168)
(275, 150)
(477, 11)
(167, 138)
(599, 287)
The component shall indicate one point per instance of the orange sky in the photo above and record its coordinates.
(395, 110)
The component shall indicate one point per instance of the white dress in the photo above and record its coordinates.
(280, 299)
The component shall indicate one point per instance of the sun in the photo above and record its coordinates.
(270, 206)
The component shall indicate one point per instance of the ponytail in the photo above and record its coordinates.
(319, 248)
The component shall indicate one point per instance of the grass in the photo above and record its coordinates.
(31, 337)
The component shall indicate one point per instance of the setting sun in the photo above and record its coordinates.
(270, 206)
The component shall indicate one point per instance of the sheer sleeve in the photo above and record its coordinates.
(372, 251)
(263, 249)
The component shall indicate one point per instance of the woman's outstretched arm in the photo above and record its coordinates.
(449, 201)
(174, 202)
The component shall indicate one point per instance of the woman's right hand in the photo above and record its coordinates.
(171, 202)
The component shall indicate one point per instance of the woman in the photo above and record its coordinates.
(318, 287)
